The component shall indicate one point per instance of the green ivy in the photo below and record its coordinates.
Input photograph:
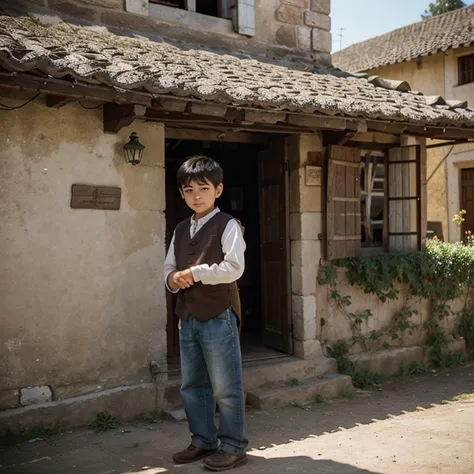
(440, 273)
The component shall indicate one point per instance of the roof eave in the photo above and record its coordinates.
(122, 105)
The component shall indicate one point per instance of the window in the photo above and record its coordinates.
(218, 8)
(372, 198)
(232, 15)
(373, 201)
(466, 69)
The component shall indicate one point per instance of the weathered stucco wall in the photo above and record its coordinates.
(438, 75)
(83, 305)
(437, 189)
(426, 75)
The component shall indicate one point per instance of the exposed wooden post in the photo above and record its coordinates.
(57, 101)
(117, 116)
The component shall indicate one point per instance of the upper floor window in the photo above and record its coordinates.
(218, 8)
(466, 69)
(231, 15)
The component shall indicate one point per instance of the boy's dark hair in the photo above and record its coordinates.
(200, 169)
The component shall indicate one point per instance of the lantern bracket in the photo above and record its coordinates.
(117, 116)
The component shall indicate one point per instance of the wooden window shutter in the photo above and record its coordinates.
(343, 203)
(404, 198)
(244, 17)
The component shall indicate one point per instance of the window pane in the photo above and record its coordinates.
(466, 69)
(372, 183)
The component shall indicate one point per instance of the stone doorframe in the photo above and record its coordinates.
(306, 228)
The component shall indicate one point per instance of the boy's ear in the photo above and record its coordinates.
(181, 192)
(219, 189)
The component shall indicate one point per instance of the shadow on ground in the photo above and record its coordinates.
(146, 448)
(393, 398)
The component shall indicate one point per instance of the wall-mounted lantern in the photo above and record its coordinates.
(133, 150)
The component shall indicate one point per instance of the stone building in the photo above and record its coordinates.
(435, 56)
(306, 148)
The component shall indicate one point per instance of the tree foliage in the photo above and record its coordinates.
(439, 7)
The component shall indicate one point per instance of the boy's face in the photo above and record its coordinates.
(201, 197)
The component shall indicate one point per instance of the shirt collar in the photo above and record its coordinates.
(204, 219)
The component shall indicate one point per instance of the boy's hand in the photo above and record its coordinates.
(183, 279)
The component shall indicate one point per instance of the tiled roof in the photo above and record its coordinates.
(94, 55)
(435, 35)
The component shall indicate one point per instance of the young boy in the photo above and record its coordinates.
(204, 261)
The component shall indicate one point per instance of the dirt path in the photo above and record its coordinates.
(405, 426)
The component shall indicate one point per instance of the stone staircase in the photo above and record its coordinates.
(283, 381)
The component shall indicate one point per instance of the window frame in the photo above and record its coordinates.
(190, 6)
(461, 73)
(240, 17)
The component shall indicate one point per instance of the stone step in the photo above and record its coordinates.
(307, 390)
(259, 373)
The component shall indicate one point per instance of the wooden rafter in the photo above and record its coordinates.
(57, 101)
(240, 117)
(117, 116)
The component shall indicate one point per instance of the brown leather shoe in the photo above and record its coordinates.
(191, 453)
(223, 461)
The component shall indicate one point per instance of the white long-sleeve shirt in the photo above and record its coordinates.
(233, 248)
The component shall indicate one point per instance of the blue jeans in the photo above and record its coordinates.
(211, 370)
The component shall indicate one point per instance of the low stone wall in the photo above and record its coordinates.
(334, 325)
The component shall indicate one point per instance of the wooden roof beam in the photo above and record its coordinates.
(117, 116)
(310, 121)
(58, 101)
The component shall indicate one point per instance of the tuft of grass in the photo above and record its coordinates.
(417, 368)
(12, 438)
(363, 378)
(104, 421)
(320, 399)
(294, 382)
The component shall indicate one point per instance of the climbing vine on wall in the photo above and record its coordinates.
(440, 273)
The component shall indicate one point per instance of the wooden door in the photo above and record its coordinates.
(467, 198)
(274, 244)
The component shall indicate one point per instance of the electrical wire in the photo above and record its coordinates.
(9, 108)
(89, 108)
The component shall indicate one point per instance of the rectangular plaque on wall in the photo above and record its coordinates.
(313, 175)
(84, 196)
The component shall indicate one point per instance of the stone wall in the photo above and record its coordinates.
(306, 221)
(83, 302)
(334, 325)
(303, 24)
(282, 27)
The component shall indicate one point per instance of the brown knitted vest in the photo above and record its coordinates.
(204, 302)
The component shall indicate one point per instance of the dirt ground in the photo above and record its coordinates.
(422, 424)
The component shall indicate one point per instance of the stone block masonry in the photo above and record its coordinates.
(321, 6)
(33, 395)
(305, 228)
(305, 25)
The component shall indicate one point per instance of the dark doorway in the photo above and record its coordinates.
(240, 198)
(467, 199)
